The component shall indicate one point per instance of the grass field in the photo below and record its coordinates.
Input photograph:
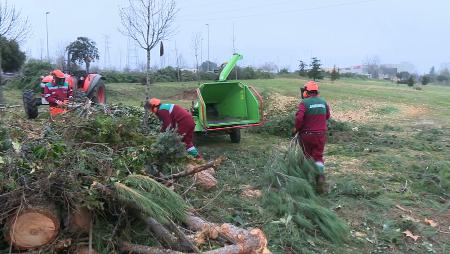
(388, 169)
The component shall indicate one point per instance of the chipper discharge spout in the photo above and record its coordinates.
(229, 67)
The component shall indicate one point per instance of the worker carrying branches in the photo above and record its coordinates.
(56, 92)
(175, 117)
(311, 126)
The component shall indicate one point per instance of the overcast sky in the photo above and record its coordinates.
(341, 32)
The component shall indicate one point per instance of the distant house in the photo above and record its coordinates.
(387, 73)
(187, 69)
(357, 69)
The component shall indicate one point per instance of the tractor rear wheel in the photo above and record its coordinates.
(235, 136)
(29, 104)
(99, 95)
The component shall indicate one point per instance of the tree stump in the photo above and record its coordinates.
(32, 228)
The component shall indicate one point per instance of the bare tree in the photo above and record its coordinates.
(12, 24)
(196, 40)
(148, 22)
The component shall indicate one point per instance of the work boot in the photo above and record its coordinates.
(321, 185)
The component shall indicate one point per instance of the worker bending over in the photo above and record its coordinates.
(56, 92)
(175, 117)
(311, 125)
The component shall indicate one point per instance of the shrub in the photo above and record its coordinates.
(31, 74)
(411, 81)
(123, 77)
(426, 79)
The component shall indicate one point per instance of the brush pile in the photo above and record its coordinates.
(291, 197)
(95, 181)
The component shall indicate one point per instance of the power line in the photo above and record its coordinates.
(246, 7)
(284, 11)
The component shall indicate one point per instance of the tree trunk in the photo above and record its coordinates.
(80, 220)
(244, 241)
(162, 234)
(88, 65)
(147, 87)
(127, 247)
(2, 100)
(34, 227)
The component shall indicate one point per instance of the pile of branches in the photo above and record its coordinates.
(291, 198)
(95, 181)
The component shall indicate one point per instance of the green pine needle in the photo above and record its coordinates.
(153, 198)
(293, 175)
(141, 201)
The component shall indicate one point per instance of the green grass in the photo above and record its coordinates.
(400, 157)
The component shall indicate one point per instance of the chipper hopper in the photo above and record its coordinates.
(227, 106)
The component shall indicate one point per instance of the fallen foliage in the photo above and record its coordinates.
(91, 181)
(291, 197)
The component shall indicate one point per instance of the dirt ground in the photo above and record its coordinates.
(187, 95)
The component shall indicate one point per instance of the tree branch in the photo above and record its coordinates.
(212, 164)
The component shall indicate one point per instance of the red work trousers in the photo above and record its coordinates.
(313, 144)
(186, 130)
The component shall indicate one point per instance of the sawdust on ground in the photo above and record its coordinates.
(277, 104)
(368, 111)
(357, 111)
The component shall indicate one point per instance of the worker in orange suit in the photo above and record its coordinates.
(56, 93)
(311, 127)
(178, 118)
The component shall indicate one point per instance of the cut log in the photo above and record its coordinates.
(167, 239)
(162, 234)
(127, 247)
(33, 227)
(80, 220)
(244, 241)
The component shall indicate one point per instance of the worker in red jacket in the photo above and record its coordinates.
(56, 93)
(175, 117)
(311, 126)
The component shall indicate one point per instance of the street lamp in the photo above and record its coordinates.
(46, 28)
(208, 47)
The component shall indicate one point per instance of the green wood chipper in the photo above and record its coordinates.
(227, 106)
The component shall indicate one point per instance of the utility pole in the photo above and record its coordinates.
(234, 40)
(234, 51)
(208, 46)
(46, 28)
(41, 42)
(120, 60)
(178, 63)
(201, 51)
(107, 56)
